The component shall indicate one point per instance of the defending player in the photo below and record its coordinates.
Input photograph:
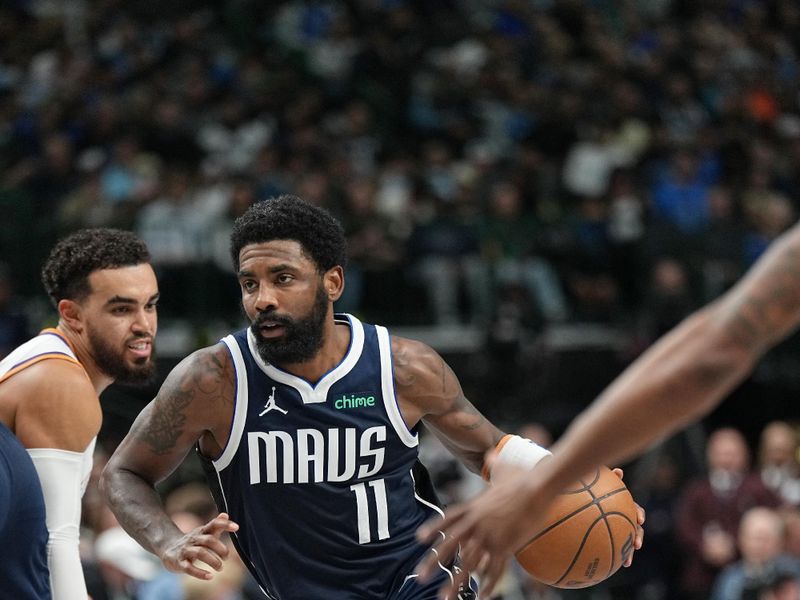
(678, 380)
(308, 424)
(105, 292)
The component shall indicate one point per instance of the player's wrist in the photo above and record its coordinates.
(518, 451)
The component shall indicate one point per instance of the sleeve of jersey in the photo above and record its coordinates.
(519, 451)
(60, 475)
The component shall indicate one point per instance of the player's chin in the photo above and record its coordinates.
(137, 368)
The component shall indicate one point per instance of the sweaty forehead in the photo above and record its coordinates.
(274, 252)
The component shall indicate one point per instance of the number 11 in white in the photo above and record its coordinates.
(381, 510)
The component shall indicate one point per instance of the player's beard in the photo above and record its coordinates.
(111, 361)
(302, 338)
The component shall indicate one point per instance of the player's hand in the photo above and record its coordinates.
(488, 528)
(639, 539)
(200, 544)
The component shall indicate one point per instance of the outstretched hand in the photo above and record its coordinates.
(488, 529)
(203, 544)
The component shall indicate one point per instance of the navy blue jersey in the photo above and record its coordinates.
(23, 535)
(323, 479)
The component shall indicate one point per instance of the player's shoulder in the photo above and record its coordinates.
(414, 361)
(57, 405)
(407, 350)
(53, 378)
(206, 369)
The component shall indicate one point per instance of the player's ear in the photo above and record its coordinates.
(333, 281)
(70, 312)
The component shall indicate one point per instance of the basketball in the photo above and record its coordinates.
(587, 535)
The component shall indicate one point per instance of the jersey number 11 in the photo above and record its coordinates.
(381, 510)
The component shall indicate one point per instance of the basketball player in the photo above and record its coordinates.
(105, 293)
(307, 423)
(678, 380)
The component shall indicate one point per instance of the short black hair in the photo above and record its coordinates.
(289, 217)
(66, 271)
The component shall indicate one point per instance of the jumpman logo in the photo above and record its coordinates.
(270, 405)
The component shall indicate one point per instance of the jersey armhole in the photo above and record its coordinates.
(239, 405)
(408, 437)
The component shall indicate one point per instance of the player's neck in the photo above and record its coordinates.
(335, 343)
(80, 346)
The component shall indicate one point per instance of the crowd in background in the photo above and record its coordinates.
(587, 160)
(509, 167)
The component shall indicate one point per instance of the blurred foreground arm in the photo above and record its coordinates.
(678, 380)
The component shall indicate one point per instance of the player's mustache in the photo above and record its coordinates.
(273, 318)
(140, 336)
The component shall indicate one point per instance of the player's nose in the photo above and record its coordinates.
(266, 299)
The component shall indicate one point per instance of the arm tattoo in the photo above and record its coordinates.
(166, 420)
(206, 379)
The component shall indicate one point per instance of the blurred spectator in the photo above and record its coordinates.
(681, 112)
(593, 289)
(786, 587)
(124, 565)
(444, 251)
(232, 138)
(656, 483)
(769, 217)
(791, 524)
(626, 230)
(763, 561)
(710, 509)
(778, 461)
(374, 250)
(177, 227)
(508, 238)
(722, 246)
(680, 194)
(669, 298)
(591, 161)
(48, 177)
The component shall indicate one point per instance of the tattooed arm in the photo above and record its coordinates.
(428, 390)
(194, 404)
(678, 380)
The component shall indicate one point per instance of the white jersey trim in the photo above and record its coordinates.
(235, 534)
(387, 387)
(239, 405)
(44, 343)
(315, 394)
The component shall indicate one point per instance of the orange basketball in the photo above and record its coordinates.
(587, 534)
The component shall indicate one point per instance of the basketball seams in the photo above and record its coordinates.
(596, 500)
(578, 552)
(572, 551)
